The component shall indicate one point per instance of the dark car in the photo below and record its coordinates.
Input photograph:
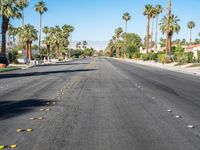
(4, 60)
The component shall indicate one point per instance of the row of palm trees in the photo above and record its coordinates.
(57, 37)
(169, 25)
(15, 9)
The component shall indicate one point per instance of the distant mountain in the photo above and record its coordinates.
(97, 45)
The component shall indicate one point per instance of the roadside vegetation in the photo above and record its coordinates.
(166, 50)
(21, 44)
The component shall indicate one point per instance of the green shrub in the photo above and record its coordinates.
(144, 57)
(164, 58)
(198, 55)
(136, 55)
(181, 57)
(153, 56)
(12, 56)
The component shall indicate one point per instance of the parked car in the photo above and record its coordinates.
(4, 60)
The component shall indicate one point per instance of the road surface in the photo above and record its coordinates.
(100, 104)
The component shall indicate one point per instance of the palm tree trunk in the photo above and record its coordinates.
(29, 51)
(40, 32)
(156, 35)
(22, 17)
(190, 36)
(48, 52)
(151, 34)
(147, 35)
(5, 22)
(168, 44)
(118, 49)
(125, 40)
(57, 50)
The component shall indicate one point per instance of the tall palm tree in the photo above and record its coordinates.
(118, 33)
(173, 28)
(126, 17)
(159, 10)
(21, 4)
(191, 25)
(153, 15)
(148, 12)
(168, 39)
(28, 34)
(41, 8)
(8, 9)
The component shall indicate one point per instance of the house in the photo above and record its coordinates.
(193, 48)
(159, 49)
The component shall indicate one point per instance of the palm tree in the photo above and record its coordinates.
(69, 29)
(84, 44)
(118, 33)
(159, 10)
(28, 34)
(21, 4)
(191, 25)
(41, 8)
(46, 30)
(78, 45)
(153, 15)
(47, 41)
(8, 10)
(168, 36)
(173, 28)
(126, 17)
(148, 12)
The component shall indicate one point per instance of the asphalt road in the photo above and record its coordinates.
(100, 104)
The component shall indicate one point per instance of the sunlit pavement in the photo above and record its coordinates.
(99, 104)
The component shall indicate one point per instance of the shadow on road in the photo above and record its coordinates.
(10, 109)
(16, 75)
(62, 64)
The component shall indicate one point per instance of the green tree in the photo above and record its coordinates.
(41, 8)
(28, 34)
(174, 27)
(118, 33)
(148, 12)
(84, 44)
(8, 9)
(191, 25)
(126, 17)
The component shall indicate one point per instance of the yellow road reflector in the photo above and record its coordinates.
(19, 130)
(13, 146)
(2, 146)
(29, 130)
(41, 109)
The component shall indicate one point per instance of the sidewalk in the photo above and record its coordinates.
(192, 69)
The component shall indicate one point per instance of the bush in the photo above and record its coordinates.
(12, 56)
(164, 58)
(136, 55)
(153, 56)
(144, 57)
(182, 57)
(198, 55)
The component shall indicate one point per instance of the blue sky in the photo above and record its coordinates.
(97, 19)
